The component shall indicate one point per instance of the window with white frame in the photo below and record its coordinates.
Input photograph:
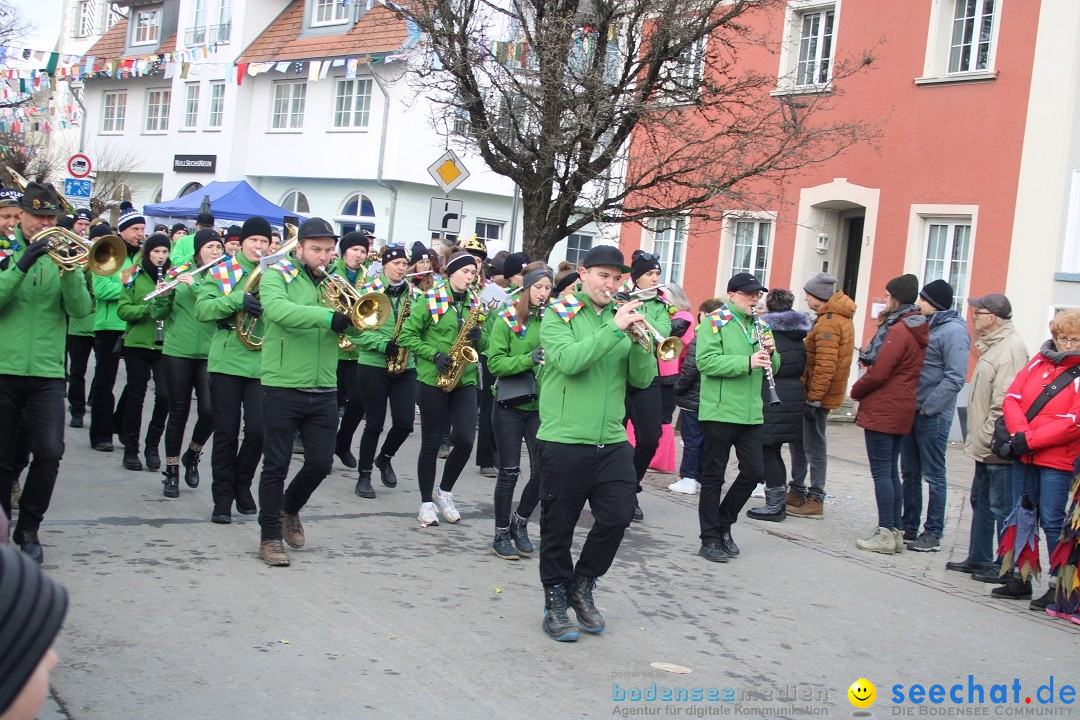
(197, 32)
(147, 26)
(577, 246)
(489, 230)
(87, 18)
(358, 212)
(684, 76)
(157, 110)
(211, 22)
(751, 252)
(287, 111)
(114, 111)
(352, 103)
(972, 28)
(191, 106)
(217, 104)
(815, 47)
(329, 12)
(296, 201)
(669, 244)
(948, 255)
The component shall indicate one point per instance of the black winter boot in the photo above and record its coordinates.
(386, 471)
(363, 485)
(557, 623)
(190, 461)
(588, 616)
(519, 533)
(28, 542)
(773, 510)
(172, 481)
(502, 547)
(153, 440)
(131, 459)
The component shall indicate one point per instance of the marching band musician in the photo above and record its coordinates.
(142, 358)
(513, 348)
(375, 349)
(299, 378)
(420, 261)
(589, 360)
(432, 332)
(34, 300)
(350, 264)
(187, 346)
(234, 371)
(80, 340)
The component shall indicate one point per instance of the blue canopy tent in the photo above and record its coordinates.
(235, 201)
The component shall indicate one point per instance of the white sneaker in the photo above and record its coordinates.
(428, 515)
(882, 541)
(687, 486)
(759, 491)
(445, 501)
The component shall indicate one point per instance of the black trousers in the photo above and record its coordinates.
(141, 364)
(512, 426)
(774, 468)
(485, 434)
(102, 400)
(644, 408)
(314, 415)
(39, 402)
(441, 413)
(79, 348)
(233, 463)
(379, 387)
(182, 376)
(348, 378)
(570, 475)
(717, 517)
(667, 402)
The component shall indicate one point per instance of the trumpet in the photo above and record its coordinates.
(69, 251)
(644, 334)
(367, 311)
(760, 330)
(173, 283)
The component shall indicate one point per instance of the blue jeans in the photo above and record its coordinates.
(883, 452)
(693, 439)
(923, 457)
(991, 489)
(1049, 490)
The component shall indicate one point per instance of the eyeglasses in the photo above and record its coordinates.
(1067, 341)
(982, 312)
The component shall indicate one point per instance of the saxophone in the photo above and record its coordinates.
(461, 353)
(396, 365)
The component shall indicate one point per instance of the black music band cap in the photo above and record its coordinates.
(745, 283)
(606, 256)
(316, 227)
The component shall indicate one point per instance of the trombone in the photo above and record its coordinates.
(173, 283)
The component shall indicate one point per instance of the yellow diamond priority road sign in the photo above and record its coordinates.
(448, 171)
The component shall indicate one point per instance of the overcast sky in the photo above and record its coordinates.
(44, 15)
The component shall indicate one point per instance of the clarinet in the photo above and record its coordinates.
(759, 335)
(160, 338)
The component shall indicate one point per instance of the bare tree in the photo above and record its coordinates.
(13, 25)
(115, 165)
(553, 93)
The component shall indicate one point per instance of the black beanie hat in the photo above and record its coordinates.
(938, 293)
(391, 253)
(32, 609)
(154, 241)
(100, 230)
(352, 239)
(254, 225)
(178, 227)
(515, 263)
(66, 221)
(206, 235)
(419, 252)
(904, 288)
(642, 264)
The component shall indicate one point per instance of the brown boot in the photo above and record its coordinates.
(794, 500)
(812, 509)
(292, 530)
(272, 552)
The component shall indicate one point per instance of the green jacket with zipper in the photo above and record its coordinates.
(656, 312)
(299, 348)
(228, 355)
(338, 267)
(141, 328)
(107, 291)
(425, 336)
(84, 326)
(588, 362)
(510, 353)
(730, 390)
(185, 335)
(371, 345)
(34, 308)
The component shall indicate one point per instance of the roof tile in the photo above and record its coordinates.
(378, 31)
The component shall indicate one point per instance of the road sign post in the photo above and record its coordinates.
(78, 191)
(79, 166)
(445, 215)
(448, 171)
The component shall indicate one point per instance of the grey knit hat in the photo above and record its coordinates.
(822, 286)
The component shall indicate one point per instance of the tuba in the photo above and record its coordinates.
(397, 364)
(249, 329)
(367, 311)
(461, 353)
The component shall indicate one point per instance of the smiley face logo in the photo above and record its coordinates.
(862, 693)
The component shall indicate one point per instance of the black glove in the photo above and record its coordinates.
(340, 322)
(30, 256)
(474, 334)
(538, 355)
(391, 349)
(443, 362)
(679, 326)
(1019, 445)
(809, 411)
(252, 306)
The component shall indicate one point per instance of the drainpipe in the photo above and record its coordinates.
(382, 154)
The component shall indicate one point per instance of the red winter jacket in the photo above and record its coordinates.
(886, 392)
(1054, 434)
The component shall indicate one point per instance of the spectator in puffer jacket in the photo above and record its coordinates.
(687, 395)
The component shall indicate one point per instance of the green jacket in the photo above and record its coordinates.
(730, 391)
(338, 268)
(656, 312)
(371, 345)
(182, 250)
(588, 362)
(509, 353)
(84, 326)
(106, 294)
(299, 348)
(185, 335)
(34, 307)
(141, 328)
(228, 355)
(424, 336)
